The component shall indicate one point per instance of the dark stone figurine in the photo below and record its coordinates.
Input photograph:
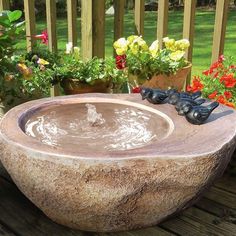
(183, 102)
(198, 114)
(173, 98)
(155, 96)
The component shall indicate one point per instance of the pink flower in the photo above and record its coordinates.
(221, 58)
(43, 36)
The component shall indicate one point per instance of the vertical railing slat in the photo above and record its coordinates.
(188, 29)
(119, 7)
(72, 21)
(219, 29)
(162, 20)
(4, 5)
(30, 23)
(98, 28)
(51, 25)
(86, 29)
(52, 35)
(188, 26)
(139, 17)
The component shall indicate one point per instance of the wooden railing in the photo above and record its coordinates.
(93, 23)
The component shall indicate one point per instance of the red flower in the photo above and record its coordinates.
(212, 95)
(216, 65)
(221, 99)
(228, 80)
(43, 36)
(136, 89)
(216, 75)
(228, 94)
(232, 67)
(206, 72)
(120, 62)
(196, 85)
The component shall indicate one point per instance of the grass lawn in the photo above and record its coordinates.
(204, 26)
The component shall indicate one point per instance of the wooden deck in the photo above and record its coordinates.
(214, 214)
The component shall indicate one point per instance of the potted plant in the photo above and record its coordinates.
(218, 82)
(151, 66)
(94, 75)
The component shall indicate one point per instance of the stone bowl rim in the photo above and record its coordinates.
(148, 151)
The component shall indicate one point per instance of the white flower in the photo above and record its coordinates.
(69, 47)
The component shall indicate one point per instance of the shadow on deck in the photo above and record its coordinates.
(214, 214)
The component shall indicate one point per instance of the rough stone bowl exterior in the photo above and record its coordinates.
(123, 190)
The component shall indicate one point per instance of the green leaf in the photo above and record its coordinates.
(14, 15)
(4, 21)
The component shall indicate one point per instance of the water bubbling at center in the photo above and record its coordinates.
(94, 118)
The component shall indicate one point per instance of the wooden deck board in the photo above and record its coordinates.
(214, 214)
(5, 232)
(20, 215)
(230, 186)
(223, 212)
(223, 197)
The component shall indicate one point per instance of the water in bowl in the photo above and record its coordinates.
(96, 127)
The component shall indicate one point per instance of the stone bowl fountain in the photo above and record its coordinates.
(100, 162)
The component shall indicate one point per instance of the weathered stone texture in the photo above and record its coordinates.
(115, 194)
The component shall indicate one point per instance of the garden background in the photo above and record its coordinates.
(204, 26)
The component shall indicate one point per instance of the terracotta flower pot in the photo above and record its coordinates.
(73, 86)
(163, 81)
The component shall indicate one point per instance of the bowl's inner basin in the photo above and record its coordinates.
(95, 127)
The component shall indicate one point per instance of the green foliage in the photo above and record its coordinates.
(145, 66)
(43, 52)
(162, 64)
(10, 32)
(89, 71)
(31, 79)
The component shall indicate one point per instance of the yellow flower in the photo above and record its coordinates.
(131, 38)
(154, 48)
(141, 43)
(177, 55)
(169, 44)
(41, 61)
(121, 46)
(24, 70)
(134, 48)
(182, 44)
(138, 45)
